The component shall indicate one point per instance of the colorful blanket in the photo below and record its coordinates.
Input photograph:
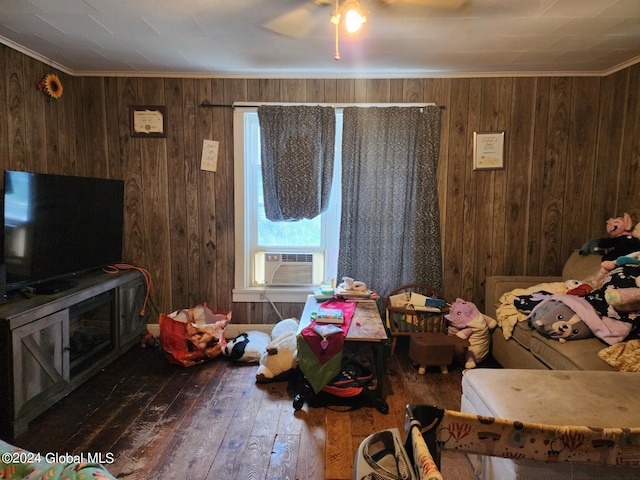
(17, 463)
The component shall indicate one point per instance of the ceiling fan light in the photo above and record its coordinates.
(353, 20)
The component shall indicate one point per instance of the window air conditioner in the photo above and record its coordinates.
(285, 269)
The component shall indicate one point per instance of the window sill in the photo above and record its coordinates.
(275, 294)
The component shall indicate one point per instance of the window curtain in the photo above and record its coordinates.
(389, 228)
(297, 151)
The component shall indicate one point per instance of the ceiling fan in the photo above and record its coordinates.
(298, 22)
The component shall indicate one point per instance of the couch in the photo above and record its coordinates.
(525, 347)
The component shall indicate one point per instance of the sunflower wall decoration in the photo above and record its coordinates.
(51, 86)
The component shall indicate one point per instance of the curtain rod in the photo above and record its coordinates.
(248, 105)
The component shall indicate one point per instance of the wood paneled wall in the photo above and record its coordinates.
(572, 155)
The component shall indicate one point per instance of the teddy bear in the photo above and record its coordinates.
(467, 322)
(279, 360)
(621, 240)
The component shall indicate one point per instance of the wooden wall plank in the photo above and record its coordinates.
(16, 110)
(223, 180)
(554, 173)
(177, 196)
(93, 118)
(206, 197)
(458, 155)
(510, 257)
(580, 180)
(61, 132)
(630, 189)
(190, 110)
(130, 158)
(153, 155)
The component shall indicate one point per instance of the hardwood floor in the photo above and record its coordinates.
(213, 421)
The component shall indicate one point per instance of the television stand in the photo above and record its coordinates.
(52, 286)
(51, 344)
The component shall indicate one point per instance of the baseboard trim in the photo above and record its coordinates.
(232, 330)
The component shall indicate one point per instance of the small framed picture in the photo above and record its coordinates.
(488, 150)
(148, 121)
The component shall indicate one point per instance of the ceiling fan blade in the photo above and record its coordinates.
(296, 23)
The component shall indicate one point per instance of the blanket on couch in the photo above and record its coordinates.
(624, 356)
(612, 323)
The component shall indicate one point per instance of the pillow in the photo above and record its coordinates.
(556, 320)
(247, 347)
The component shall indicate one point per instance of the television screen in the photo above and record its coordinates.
(59, 225)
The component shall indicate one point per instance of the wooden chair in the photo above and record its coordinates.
(403, 321)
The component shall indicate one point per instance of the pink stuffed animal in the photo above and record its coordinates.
(468, 323)
(621, 240)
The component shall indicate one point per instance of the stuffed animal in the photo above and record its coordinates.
(621, 240)
(247, 347)
(607, 266)
(350, 285)
(468, 323)
(556, 320)
(279, 360)
(622, 284)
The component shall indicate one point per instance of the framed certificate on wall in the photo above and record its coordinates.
(148, 121)
(488, 150)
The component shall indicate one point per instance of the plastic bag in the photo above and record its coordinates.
(192, 336)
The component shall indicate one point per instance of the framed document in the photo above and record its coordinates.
(488, 150)
(148, 121)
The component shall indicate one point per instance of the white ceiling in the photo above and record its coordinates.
(402, 38)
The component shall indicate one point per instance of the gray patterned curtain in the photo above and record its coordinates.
(297, 150)
(389, 230)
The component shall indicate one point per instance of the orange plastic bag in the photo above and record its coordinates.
(192, 336)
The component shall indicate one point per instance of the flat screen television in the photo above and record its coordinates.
(57, 226)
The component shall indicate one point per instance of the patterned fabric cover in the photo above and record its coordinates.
(16, 463)
(470, 433)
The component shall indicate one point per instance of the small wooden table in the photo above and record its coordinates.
(367, 330)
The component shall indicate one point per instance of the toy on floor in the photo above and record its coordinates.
(279, 360)
(148, 340)
(247, 347)
(468, 323)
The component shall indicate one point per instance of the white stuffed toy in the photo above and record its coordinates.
(350, 285)
(279, 360)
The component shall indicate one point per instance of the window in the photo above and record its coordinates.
(288, 259)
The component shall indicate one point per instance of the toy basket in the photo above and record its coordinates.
(414, 308)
